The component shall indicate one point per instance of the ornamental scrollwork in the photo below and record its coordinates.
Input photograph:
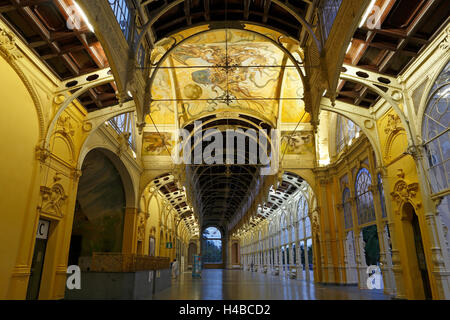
(404, 192)
(8, 45)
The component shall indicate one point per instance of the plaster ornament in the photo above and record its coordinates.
(52, 200)
(393, 125)
(8, 45)
(445, 44)
(87, 126)
(66, 126)
(397, 95)
(59, 99)
(368, 124)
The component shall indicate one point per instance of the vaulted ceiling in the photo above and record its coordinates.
(175, 14)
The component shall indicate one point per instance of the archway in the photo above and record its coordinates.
(417, 265)
(99, 211)
(212, 253)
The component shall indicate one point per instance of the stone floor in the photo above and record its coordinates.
(244, 285)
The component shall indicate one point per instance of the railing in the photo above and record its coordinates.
(120, 262)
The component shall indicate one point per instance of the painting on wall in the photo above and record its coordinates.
(227, 70)
(157, 144)
(300, 143)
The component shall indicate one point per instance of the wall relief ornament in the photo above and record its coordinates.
(52, 200)
(65, 126)
(141, 227)
(404, 192)
(445, 44)
(393, 124)
(8, 45)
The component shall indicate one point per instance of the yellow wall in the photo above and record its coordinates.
(19, 129)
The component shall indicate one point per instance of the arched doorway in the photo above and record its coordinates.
(417, 265)
(212, 253)
(99, 211)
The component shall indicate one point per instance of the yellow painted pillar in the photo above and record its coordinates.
(129, 243)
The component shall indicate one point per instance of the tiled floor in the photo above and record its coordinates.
(244, 285)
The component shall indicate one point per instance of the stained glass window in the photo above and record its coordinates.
(346, 131)
(435, 132)
(122, 13)
(125, 123)
(347, 207)
(364, 197)
(329, 10)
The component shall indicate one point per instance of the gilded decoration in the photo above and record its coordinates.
(8, 45)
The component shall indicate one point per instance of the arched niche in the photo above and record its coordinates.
(130, 194)
(99, 217)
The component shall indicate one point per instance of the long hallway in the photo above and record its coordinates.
(218, 284)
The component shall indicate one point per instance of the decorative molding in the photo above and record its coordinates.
(405, 192)
(8, 45)
(65, 126)
(445, 44)
(392, 129)
(10, 52)
(141, 227)
(394, 124)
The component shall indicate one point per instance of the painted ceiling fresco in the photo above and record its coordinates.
(227, 70)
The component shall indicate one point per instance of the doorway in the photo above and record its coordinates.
(416, 254)
(37, 264)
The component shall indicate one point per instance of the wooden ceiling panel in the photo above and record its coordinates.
(407, 27)
(69, 53)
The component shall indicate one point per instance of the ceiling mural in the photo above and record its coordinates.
(227, 70)
(157, 144)
(298, 143)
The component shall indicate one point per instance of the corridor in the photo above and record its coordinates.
(218, 284)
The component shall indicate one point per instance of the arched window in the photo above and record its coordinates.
(212, 245)
(347, 207)
(125, 123)
(364, 197)
(346, 131)
(308, 227)
(435, 132)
